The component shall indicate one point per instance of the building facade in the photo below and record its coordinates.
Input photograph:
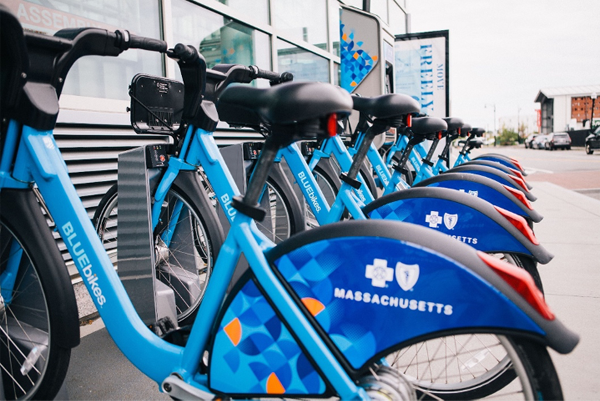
(302, 37)
(568, 108)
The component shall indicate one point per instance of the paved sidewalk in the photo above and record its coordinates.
(570, 230)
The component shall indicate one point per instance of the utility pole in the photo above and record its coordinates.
(594, 96)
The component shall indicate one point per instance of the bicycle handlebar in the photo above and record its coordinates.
(140, 42)
(273, 77)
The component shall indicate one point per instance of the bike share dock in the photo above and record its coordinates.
(570, 230)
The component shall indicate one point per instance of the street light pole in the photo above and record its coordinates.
(594, 96)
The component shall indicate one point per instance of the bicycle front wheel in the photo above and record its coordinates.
(473, 366)
(33, 362)
(185, 246)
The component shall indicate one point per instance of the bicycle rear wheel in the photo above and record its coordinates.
(34, 339)
(472, 366)
(285, 216)
(184, 262)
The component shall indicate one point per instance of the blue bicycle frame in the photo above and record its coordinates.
(39, 160)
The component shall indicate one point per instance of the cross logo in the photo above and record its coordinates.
(434, 219)
(474, 193)
(379, 273)
(407, 275)
(450, 220)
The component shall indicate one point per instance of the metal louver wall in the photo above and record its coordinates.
(91, 154)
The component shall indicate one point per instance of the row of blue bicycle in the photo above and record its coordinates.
(426, 289)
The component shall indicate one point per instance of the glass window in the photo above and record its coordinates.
(302, 20)
(336, 74)
(258, 9)
(397, 19)
(354, 3)
(380, 8)
(221, 40)
(305, 66)
(334, 26)
(94, 76)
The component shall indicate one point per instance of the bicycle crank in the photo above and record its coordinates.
(387, 384)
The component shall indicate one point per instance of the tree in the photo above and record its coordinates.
(507, 136)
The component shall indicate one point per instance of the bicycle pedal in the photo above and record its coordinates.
(177, 336)
(163, 326)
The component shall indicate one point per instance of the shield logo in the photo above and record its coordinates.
(450, 220)
(407, 275)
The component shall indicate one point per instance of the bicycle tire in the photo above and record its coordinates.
(365, 171)
(285, 216)
(186, 264)
(42, 302)
(465, 368)
(329, 185)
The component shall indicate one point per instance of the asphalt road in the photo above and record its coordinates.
(570, 169)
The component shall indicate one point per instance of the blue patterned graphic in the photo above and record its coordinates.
(356, 63)
(460, 222)
(371, 293)
(254, 353)
(481, 191)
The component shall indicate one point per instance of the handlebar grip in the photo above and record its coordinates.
(140, 42)
(273, 77)
(125, 40)
(184, 53)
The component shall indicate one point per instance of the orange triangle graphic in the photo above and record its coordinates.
(234, 331)
(314, 306)
(274, 386)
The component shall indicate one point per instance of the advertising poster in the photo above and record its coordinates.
(421, 64)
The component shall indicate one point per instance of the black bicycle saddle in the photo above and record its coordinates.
(386, 106)
(428, 126)
(286, 103)
(454, 123)
(477, 131)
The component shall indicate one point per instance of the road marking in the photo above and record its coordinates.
(530, 170)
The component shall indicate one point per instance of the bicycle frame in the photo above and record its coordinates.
(346, 198)
(38, 160)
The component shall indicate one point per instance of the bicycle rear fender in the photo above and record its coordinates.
(372, 287)
(459, 215)
(494, 174)
(484, 188)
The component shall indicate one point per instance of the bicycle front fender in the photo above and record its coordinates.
(484, 188)
(494, 174)
(461, 216)
(503, 159)
(499, 166)
(371, 287)
(20, 207)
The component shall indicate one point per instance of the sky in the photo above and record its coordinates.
(502, 52)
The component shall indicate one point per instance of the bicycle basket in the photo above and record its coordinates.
(156, 104)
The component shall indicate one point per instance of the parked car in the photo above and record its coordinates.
(530, 138)
(539, 142)
(558, 140)
(592, 141)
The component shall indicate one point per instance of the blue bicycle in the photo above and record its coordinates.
(323, 314)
